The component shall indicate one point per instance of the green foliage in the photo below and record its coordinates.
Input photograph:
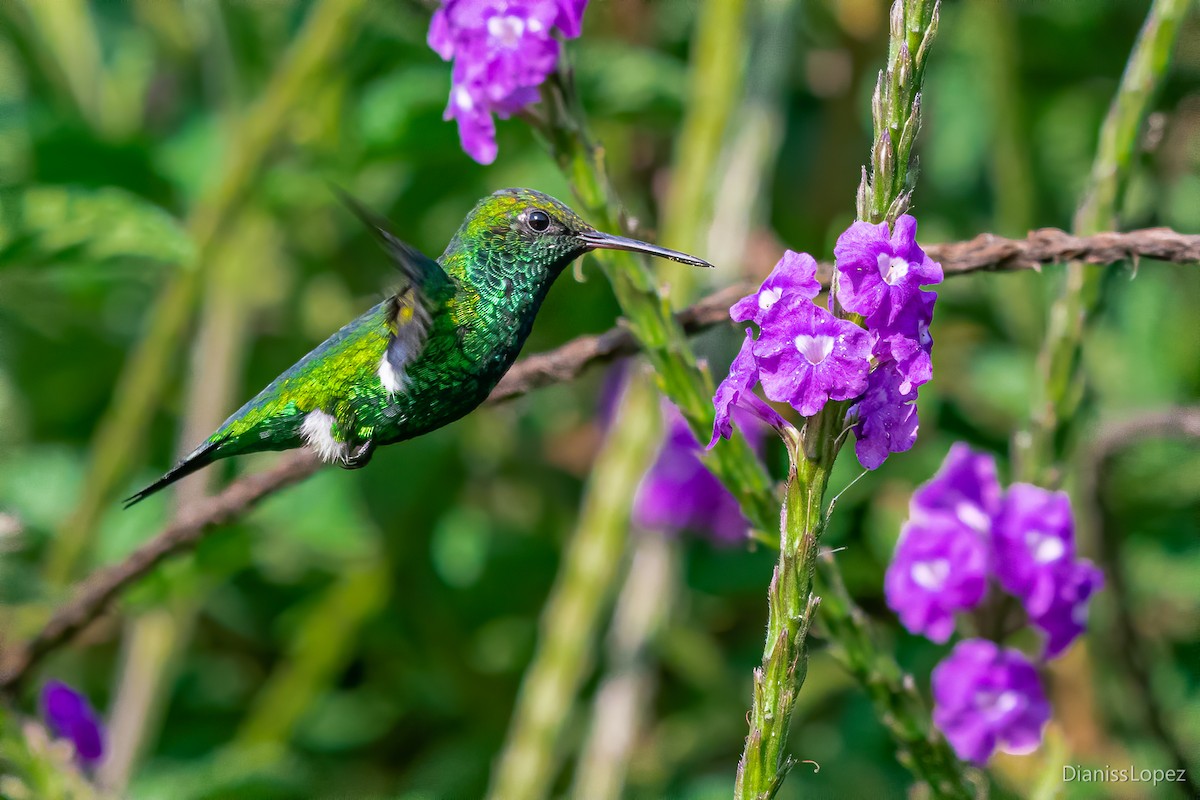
(55, 225)
(374, 625)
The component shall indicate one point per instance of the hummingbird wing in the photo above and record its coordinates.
(424, 289)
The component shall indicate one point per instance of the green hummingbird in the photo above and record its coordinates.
(429, 353)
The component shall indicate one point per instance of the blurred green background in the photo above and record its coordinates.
(364, 635)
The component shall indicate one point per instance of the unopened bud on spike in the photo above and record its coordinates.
(903, 66)
(884, 156)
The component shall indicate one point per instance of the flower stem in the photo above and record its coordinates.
(679, 375)
(1058, 391)
(765, 761)
(896, 112)
(897, 702)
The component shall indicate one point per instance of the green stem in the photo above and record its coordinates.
(765, 761)
(320, 648)
(714, 83)
(573, 611)
(140, 387)
(527, 766)
(625, 697)
(659, 334)
(1058, 391)
(893, 692)
(896, 112)
(152, 643)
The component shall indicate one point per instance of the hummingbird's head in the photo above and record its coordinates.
(521, 229)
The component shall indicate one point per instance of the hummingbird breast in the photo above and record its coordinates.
(470, 346)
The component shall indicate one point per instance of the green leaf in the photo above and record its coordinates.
(42, 225)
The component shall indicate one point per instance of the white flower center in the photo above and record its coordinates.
(923, 334)
(931, 575)
(973, 517)
(462, 98)
(506, 31)
(891, 269)
(815, 349)
(994, 705)
(769, 297)
(1044, 547)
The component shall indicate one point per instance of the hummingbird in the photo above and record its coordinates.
(432, 351)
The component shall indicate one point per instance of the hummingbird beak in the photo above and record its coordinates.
(595, 240)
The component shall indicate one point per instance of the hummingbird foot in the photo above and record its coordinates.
(360, 456)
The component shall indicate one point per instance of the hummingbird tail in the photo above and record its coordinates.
(199, 458)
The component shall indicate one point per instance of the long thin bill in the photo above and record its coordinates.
(596, 240)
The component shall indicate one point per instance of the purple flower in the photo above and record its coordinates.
(737, 391)
(988, 699)
(900, 336)
(886, 416)
(873, 267)
(1064, 617)
(938, 569)
(1035, 557)
(1029, 533)
(678, 492)
(70, 717)
(796, 273)
(503, 50)
(807, 356)
(1035, 537)
(965, 487)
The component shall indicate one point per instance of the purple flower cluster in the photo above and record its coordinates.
(989, 698)
(965, 532)
(70, 717)
(805, 355)
(502, 51)
(679, 494)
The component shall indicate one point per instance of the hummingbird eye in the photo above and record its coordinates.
(539, 221)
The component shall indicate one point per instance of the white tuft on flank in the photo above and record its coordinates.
(316, 430)
(393, 381)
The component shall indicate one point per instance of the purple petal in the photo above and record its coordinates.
(900, 335)
(874, 266)
(939, 568)
(69, 716)
(476, 129)
(904, 245)
(678, 493)
(570, 19)
(887, 420)
(743, 375)
(1034, 537)
(795, 273)
(440, 38)
(965, 487)
(1065, 615)
(806, 356)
